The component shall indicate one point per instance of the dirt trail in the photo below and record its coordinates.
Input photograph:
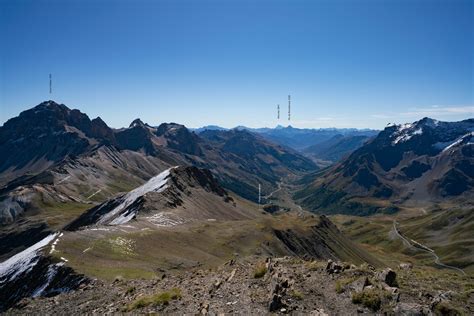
(98, 191)
(273, 192)
(285, 198)
(418, 246)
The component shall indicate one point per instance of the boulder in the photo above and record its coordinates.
(333, 267)
(231, 276)
(318, 312)
(276, 303)
(411, 309)
(393, 291)
(441, 297)
(388, 276)
(204, 308)
(405, 266)
(359, 284)
(278, 288)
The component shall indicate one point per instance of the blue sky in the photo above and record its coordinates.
(346, 63)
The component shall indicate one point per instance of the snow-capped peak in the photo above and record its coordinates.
(405, 132)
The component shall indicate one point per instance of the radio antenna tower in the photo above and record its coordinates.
(259, 193)
(278, 109)
(289, 107)
(50, 84)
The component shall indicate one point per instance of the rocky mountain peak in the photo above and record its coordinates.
(180, 138)
(47, 113)
(429, 122)
(171, 128)
(99, 129)
(137, 123)
(51, 105)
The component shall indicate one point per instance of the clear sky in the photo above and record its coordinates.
(346, 63)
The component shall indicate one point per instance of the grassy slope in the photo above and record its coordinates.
(57, 214)
(146, 253)
(453, 242)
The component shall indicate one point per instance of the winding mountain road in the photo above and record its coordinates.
(418, 246)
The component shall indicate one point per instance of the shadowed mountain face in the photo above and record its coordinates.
(247, 145)
(251, 155)
(138, 136)
(420, 163)
(46, 134)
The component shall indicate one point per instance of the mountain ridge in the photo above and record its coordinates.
(425, 156)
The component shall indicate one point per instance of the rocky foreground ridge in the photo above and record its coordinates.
(257, 286)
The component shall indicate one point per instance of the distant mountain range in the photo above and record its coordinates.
(298, 138)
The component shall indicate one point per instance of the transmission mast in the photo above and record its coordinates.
(259, 193)
(50, 84)
(289, 107)
(278, 110)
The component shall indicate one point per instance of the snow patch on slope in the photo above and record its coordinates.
(156, 184)
(24, 261)
(465, 139)
(164, 220)
(52, 271)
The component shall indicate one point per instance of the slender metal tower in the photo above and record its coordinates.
(259, 193)
(289, 107)
(278, 109)
(50, 84)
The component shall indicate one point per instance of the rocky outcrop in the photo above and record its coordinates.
(411, 309)
(334, 267)
(289, 286)
(388, 276)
